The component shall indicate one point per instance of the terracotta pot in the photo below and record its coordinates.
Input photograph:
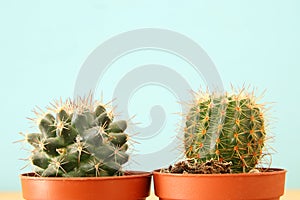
(131, 186)
(263, 186)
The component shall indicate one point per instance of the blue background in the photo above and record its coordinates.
(43, 45)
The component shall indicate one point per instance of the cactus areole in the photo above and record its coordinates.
(227, 128)
(78, 139)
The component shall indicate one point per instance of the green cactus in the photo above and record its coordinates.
(226, 128)
(78, 139)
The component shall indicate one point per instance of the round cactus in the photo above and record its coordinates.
(78, 139)
(226, 127)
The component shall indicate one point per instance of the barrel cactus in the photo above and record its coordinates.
(78, 138)
(226, 127)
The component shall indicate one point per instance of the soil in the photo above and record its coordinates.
(190, 167)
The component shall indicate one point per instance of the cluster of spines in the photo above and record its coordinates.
(80, 139)
(226, 127)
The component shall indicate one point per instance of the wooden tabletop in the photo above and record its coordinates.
(289, 195)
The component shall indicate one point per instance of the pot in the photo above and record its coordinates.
(132, 186)
(268, 185)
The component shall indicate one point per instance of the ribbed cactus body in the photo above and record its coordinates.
(79, 140)
(227, 127)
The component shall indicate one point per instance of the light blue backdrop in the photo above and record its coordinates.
(43, 45)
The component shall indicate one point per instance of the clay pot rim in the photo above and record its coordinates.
(128, 175)
(264, 173)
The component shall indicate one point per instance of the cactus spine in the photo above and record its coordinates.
(226, 127)
(78, 138)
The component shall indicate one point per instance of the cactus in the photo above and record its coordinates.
(227, 128)
(78, 138)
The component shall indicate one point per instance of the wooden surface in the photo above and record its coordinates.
(289, 195)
